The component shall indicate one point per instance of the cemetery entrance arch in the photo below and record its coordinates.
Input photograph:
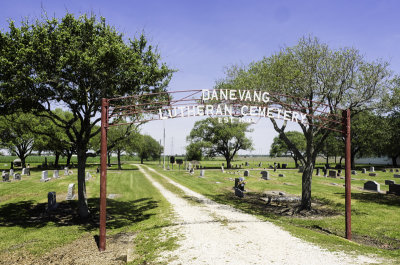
(228, 106)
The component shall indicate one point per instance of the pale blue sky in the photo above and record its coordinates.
(200, 38)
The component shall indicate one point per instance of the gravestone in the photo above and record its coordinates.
(66, 171)
(284, 166)
(372, 185)
(396, 176)
(17, 176)
(44, 176)
(97, 170)
(372, 174)
(371, 169)
(363, 170)
(202, 173)
(397, 170)
(246, 173)
(11, 172)
(317, 171)
(222, 169)
(236, 182)
(5, 176)
(384, 170)
(353, 172)
(265, 175)
(88, 176)
(240, 166)
(260, 164)
(236, 166)
(281, 175)
(24, 171)
(391, 170)
(191, 171)
(51, 201)
(339, 172)
(388, 182)
(332, 174)
(301, 169)
(394, 188)
(71, 192)
(56, 174)
(247, 164)
(239, 193)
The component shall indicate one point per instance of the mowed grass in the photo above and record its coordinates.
(138, 208)
(375, 217)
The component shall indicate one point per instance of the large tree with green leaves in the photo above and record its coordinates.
(145, 147)
(74, 62)
(315, 78)
(224, 139)
(280, 148)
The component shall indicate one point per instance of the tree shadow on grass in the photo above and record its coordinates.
(28, 214)
(372, 197)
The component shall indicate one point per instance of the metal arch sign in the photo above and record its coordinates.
(228, 105)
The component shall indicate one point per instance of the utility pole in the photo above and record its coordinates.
(164, 151)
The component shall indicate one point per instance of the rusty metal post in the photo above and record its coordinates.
(347, 135)
(103, 173)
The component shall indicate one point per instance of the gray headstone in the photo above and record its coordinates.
(17, 176)
(51, 201)
(44, 176)
(191, 171)
(11, 172)
(396, 176)
(372, 185)
(5, 176)
(71, 192)
(281, 175)
(284, 166)
(88, 176)
(397, 170)
(246, 173)
(384, 170)
(222, 169)
(247, 164)
(239, 193)
(202, 173)
(353, 172)
(364, 170)
(66, 171)
(332, 174)
(265, 175)
(301, 169)
(56, 174)
(394, 188)
(371, 169)
(391, 170)
(24, 171)
(372, 174)
(388, 182)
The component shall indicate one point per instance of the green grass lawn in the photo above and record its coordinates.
(138, 208)
(375, 217)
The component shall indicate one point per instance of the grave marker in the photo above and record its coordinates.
(394, 188)
(363, 170)
(88, 176)
(332, 174)
(202, 173)
(44, 176)
(372, 174)
(71, 192)
(265, 175)
(396, 176)
(56, 174)
(372, 185)
(353, 172)
(388, 182)
(5, 176)
(17, 176)
(66, 171)
(51, 201)
(24, 171)
(371, 169)
(246, 173)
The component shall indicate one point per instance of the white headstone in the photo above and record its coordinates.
(88, 176)
(24, 172)
(71, 192)
(11, 172)
(56, 174)
(202, 173)
(44, 176)
(66, 171)
(222, 169)
(371, 169)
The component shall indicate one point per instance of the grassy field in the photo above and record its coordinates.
(375, 217)
(138, 209)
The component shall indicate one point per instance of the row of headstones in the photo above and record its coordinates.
(334, 173)
(6, 176)
(375, 186)
(56, 175)
(52, 201)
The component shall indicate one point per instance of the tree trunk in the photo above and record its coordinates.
(327, 159)
(141, 160)
(83, 208)
(306, 186)
(296, 163)
(109, 158)
(23, 161)
(340, 161)
(228, 162)
(119, 158)
(394, 161)
(69, 156)
(57, 159)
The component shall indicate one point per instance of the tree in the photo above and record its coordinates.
(194, 151)
(146, 147)
(225, 139)
(15, 134)
(75, 62)
(316, 78)
(279, 147)
(333, 146)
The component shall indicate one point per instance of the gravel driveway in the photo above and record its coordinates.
(219, 234)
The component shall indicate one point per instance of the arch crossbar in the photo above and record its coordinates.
(228, 106)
